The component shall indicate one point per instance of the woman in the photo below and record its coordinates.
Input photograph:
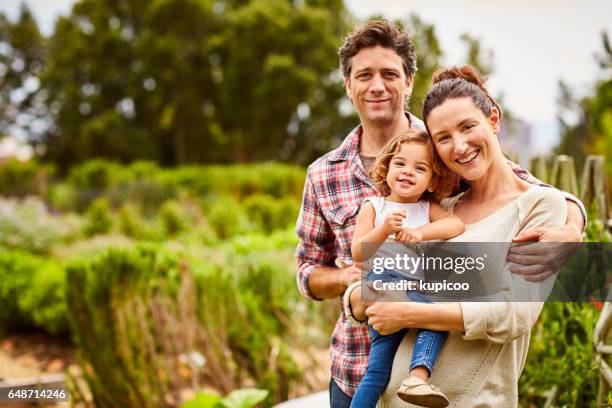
(483, 357)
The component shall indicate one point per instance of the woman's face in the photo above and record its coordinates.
(465, 139)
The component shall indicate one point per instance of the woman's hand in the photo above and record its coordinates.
(389, 317)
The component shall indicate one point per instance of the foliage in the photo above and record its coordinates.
(125, 82)
(586, 123)
(561, 358)
(98, 219)
(269, 213)
(137, 317)
(173, 218)
(26, 224)
(23, 53)
(226, 216)
(20, 179)
(32, 293)
(244, 398)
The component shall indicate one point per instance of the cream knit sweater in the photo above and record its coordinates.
(481, 367)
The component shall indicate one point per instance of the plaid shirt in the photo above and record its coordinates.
(336, 184)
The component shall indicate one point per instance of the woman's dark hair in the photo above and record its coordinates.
(458, 82)
(378, 32)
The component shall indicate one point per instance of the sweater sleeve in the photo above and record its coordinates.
(503, 322)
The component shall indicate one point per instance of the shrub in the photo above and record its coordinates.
(94, 179)
(62, 197)
(226, 217)
(561, 357)
(99, 219)
(132, 314)
(173, 218)
(269, 213)
(20, 179)
(130, 221)
(32, 293)
(27, 225)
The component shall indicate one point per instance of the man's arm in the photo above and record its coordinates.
(317, 279)
(326, 282)
(576, 213)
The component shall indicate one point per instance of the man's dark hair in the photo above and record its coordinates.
(378, 32)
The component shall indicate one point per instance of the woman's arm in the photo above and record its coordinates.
(389, 317)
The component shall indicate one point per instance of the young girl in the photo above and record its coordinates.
(411, 179)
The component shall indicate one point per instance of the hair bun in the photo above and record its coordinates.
(467, 72)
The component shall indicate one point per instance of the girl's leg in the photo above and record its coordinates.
(427, 344)
(378, 373)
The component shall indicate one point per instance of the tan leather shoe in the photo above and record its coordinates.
(420, 392)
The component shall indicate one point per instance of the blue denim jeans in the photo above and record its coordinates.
(383, 349)
(337, 397)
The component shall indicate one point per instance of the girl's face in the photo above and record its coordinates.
(410, 172)
(465, 139)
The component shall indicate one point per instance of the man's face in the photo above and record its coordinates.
(378, 85)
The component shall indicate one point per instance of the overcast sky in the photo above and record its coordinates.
(535, 42)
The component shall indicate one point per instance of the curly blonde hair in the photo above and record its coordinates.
(443, 180)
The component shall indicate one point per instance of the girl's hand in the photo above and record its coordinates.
(409, 235)
(393, 222)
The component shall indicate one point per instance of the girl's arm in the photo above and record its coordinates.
(443, 225)
(366, 232)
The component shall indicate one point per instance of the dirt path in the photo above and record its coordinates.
(33, 354)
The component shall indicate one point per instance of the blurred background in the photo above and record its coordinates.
(152, 160)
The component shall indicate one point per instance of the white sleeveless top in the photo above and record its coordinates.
(417, 214)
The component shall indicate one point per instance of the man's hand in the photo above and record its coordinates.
(350, 274)
(538, 261)
(409, 235)
(393, 222)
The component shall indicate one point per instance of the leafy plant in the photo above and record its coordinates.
(244, 398)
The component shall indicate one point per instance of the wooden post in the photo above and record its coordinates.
(563, 175)
(538, 168)
(594, 188)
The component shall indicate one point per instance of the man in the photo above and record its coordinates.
(378, 62)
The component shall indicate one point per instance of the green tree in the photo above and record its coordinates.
(234, 81)
(586, 123)
(22, 57)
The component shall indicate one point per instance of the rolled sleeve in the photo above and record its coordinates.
(316, 245)
(498, 322)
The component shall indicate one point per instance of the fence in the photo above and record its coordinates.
(593, 191)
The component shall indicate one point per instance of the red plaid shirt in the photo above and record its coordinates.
(336, 184)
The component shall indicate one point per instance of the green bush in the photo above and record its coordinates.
(126, 324)
(98, 218)
(269, 213)
(32, 293)
(25, 224)
(130, 221)
(561, 357)
(173, 218)
(226, 217)
(62, 196)
(244, 398)
(94, 179)
(20, 179)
